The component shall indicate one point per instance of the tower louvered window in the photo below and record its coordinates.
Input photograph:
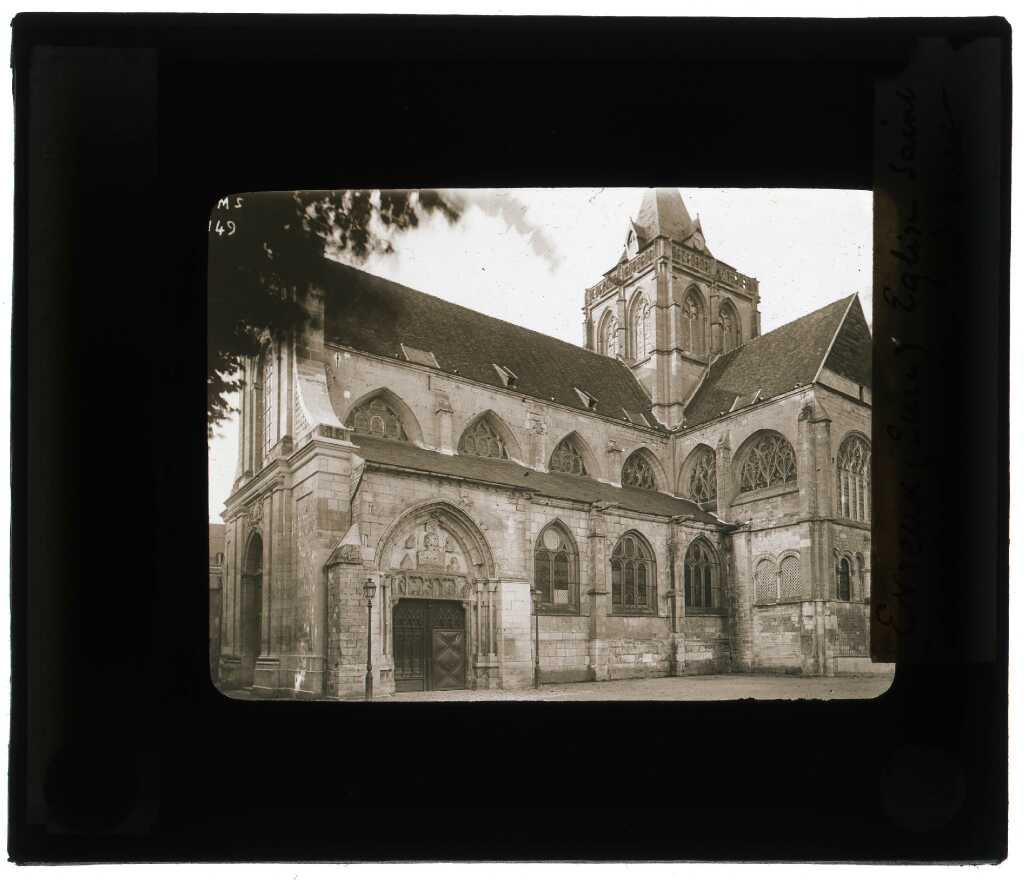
(769, 462)
(378, 419)
(483, 440)
(853, 492)
(566, 459)
(703, 484)
(634, 587)
(638, 473)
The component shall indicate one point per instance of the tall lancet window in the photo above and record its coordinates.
(730, 326)
(693, 324)
(853, 492)
(641, 323)
(609, 338)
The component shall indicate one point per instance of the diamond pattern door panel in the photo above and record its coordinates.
(448, 660)
(410, 628)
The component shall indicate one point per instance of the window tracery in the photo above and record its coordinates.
(634, 586)
(730, 326)
(693, 324)
(555, 567)
(377, 418)
(566, 459)
(482, 439)
(853, 467)
(703, 483)
(638, 473)
(769, 462)
(701, 577)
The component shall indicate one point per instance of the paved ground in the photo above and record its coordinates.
(697, 687)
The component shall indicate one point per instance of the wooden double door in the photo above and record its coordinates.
(430, 645)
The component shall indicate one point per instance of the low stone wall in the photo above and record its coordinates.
(564, 649)
(706, 646)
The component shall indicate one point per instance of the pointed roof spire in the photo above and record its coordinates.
(662, 212)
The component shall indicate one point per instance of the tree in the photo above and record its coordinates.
(264, 248)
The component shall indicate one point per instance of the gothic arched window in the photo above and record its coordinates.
(555, 570)
(766, 583)
(267, 408)
(700, 576)
(730, 322)
(377, 418)
(638, 473)
(703, 483)
(769, 462)
(641, 323)
(790, 580)
(853, 490)
(693, 324)
(566, 459)
(607, 336)
(634, 584)
(843, 579)
(481, 438)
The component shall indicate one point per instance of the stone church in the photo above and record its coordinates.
(680, 495)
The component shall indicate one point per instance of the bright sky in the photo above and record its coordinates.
(526, 256)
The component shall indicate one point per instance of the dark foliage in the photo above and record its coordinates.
(266, 247)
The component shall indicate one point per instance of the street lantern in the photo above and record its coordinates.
(369, 588)
(536, 637)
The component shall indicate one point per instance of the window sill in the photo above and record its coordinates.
(762, 494)
(704, 612)
(858, 523)
(556, 611)
(637, 613)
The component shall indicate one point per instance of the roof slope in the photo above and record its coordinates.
(377, 316)
(662, 212)
(786, 357)
(508, 473)
(850, 355)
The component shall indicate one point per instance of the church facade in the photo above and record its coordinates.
(681, 495)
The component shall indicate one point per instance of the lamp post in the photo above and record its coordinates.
(536, 637)
(369, 588)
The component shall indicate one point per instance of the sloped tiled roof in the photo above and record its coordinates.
(378, 316)
(507, 473)
(851, 352)
(784, 358)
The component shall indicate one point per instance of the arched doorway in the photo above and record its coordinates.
(252, 607)
(434, 567)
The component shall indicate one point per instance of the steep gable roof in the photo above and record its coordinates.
(788, 356)
(662, 212)
(850, 355)
(378, 316)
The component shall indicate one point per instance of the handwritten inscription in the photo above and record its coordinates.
(221, 226)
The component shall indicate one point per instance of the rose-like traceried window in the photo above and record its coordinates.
(703, 482)
(482, 439)
(377, 418)
(638, 473)
(769, 462)
(566, 459)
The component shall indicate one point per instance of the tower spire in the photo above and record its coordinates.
(662, 212)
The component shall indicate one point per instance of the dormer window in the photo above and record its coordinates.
(507, 377)
(588, 400)
(419, 356)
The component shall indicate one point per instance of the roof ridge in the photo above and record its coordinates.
(447, 302)
(787, 324)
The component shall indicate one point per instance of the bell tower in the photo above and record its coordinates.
(668, 307)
